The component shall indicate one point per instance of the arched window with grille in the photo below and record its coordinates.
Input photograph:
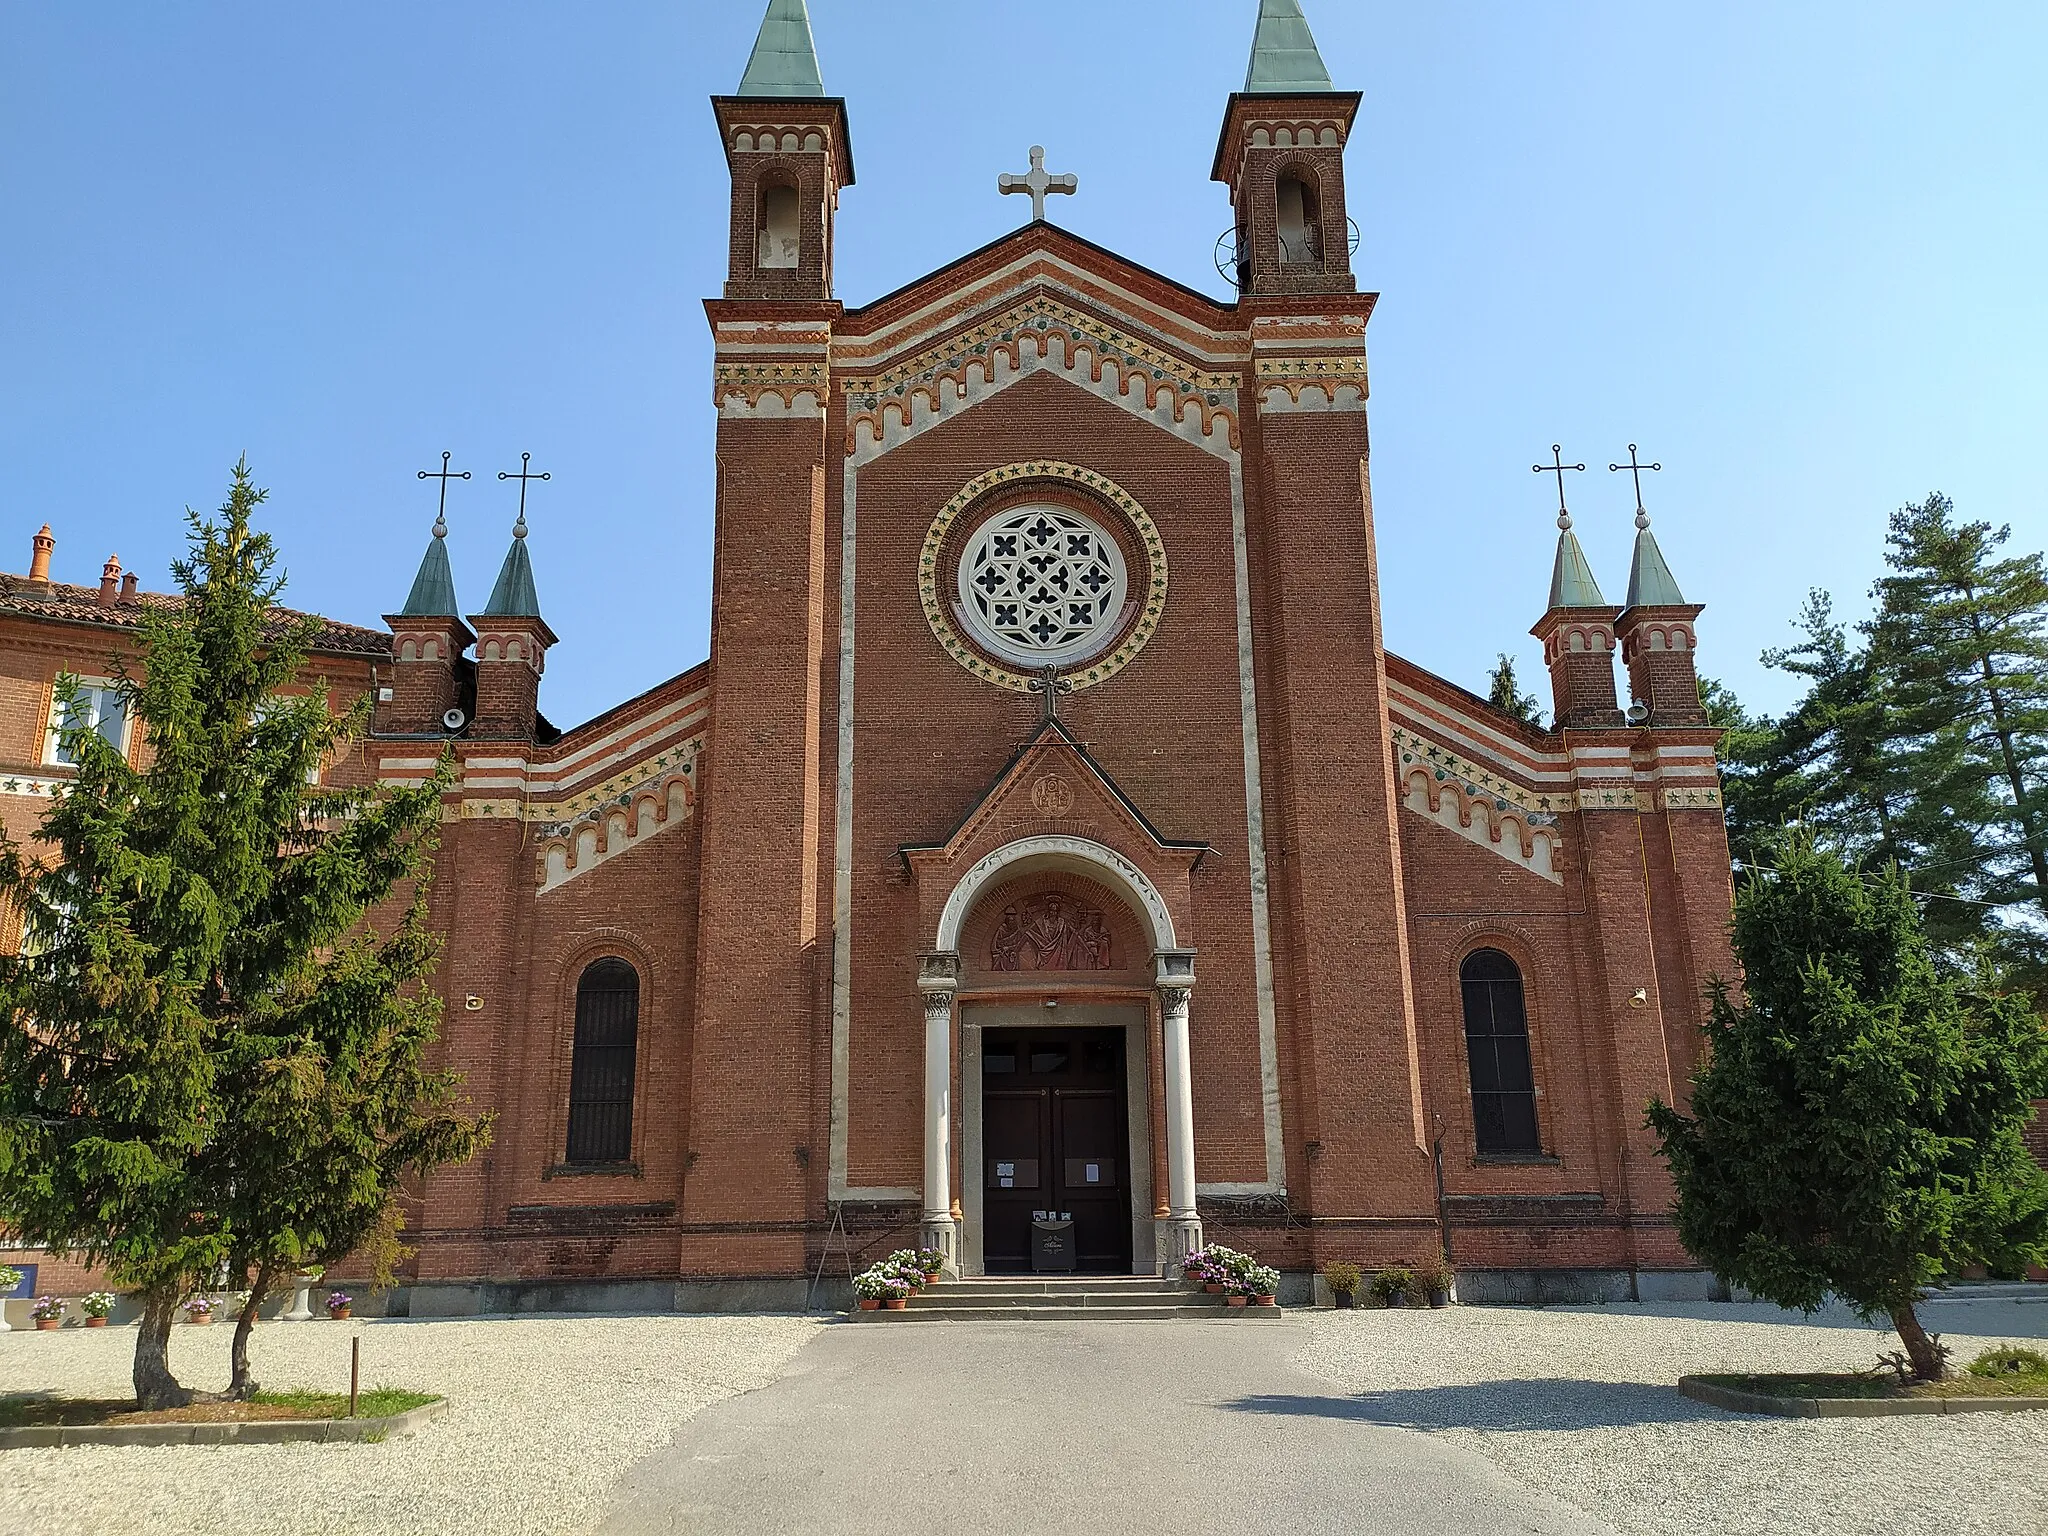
(601, 1066)
(1497, 1049)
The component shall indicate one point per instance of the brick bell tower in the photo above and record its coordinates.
(764, 934)
(1281, 154)
(427, 642)
(1577, 631)
(1358, 1148)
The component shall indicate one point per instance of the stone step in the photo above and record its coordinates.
(996, 1301)
(1107, 1285)
(935, 1313)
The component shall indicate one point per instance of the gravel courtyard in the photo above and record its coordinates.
(544, 1415)
(554, 1419)
(1576, 1402)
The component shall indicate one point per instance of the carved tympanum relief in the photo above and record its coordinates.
(1050, 932)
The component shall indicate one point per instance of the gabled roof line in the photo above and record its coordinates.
(1055, 730)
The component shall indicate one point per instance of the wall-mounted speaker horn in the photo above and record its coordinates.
(455, 719)
(1638, 713)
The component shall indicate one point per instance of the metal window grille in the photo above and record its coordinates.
(601, 1067)
(1497, 1050)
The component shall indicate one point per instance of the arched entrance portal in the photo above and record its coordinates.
(1054, 958)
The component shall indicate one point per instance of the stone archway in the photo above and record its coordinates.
(1132, 951)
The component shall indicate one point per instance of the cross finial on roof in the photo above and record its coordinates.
(1557, 467)
(1037, 183)
(1636, 470)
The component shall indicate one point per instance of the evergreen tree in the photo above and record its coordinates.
(1504, 693)
(194, 937)
(1966, 633)
(1855, 1128)
(1746, 754)
(1888, 782)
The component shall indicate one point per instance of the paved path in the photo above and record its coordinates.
(1092, 1427)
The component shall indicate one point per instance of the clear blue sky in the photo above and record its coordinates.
(1795, 252)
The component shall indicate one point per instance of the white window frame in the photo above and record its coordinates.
(54, 737)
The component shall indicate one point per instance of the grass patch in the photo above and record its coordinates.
(377, 1403)
(1971, 1382)
(25, 1409)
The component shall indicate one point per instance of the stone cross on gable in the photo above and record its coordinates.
(1049, 685)
(1037, 184)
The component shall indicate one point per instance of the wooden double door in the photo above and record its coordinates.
(1055, 1137)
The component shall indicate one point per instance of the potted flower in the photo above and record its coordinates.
(96, 1305)
(199, 1309)
(1390, 1287)
(895, 1292)
(1436, 1280)
(932, 1262)
(1343, 1279)
(48, 1312)
(868, 1286)
(339, 1304)
(1264, 1283)
(908, 1263)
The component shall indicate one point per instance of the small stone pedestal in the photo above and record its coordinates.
(302, 1301)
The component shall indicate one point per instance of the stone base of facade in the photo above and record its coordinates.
(1298, 1288)
(1555, 1287)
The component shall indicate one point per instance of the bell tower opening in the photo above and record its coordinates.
(1300, 220)
(779, 242)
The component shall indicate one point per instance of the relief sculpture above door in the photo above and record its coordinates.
(1051, 932)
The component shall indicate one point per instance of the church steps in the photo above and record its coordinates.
(1128, 1298)
(937, 1313)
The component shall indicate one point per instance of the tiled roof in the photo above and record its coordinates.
(68, 604)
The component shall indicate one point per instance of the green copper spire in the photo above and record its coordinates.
(433, 590)
(1284, 57)
(1571, 579)
(1650, 582)
(514, 597)
(785, 60)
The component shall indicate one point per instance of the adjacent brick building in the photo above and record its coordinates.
(1049, 828)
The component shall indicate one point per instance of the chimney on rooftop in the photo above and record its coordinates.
(39, 562)
(128, 585)
(110, 581)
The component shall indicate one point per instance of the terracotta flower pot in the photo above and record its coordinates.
(1213, 1287)
(1233, 1301)
(199, 1317)
(48, 1324)
(895, 1303)
(869, 1303)
(931, 1276)
(340, 1314)
(1344, 1300)
(1267, 1301)
(95, 1322)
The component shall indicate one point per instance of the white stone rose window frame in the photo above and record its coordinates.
(1117, 536)
(1042, 585)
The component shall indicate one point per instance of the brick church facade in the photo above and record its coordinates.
(1049, 828)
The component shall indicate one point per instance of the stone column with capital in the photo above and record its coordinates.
(938, 977)
(1180, 1231)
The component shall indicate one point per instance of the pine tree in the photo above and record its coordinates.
(334, 1106)
(1504, 693)
(1887, 781)
(1966, 633)
(1855, 1128)
(1747, 753)
(192, 937)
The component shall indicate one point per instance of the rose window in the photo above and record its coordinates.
(1042, 586)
